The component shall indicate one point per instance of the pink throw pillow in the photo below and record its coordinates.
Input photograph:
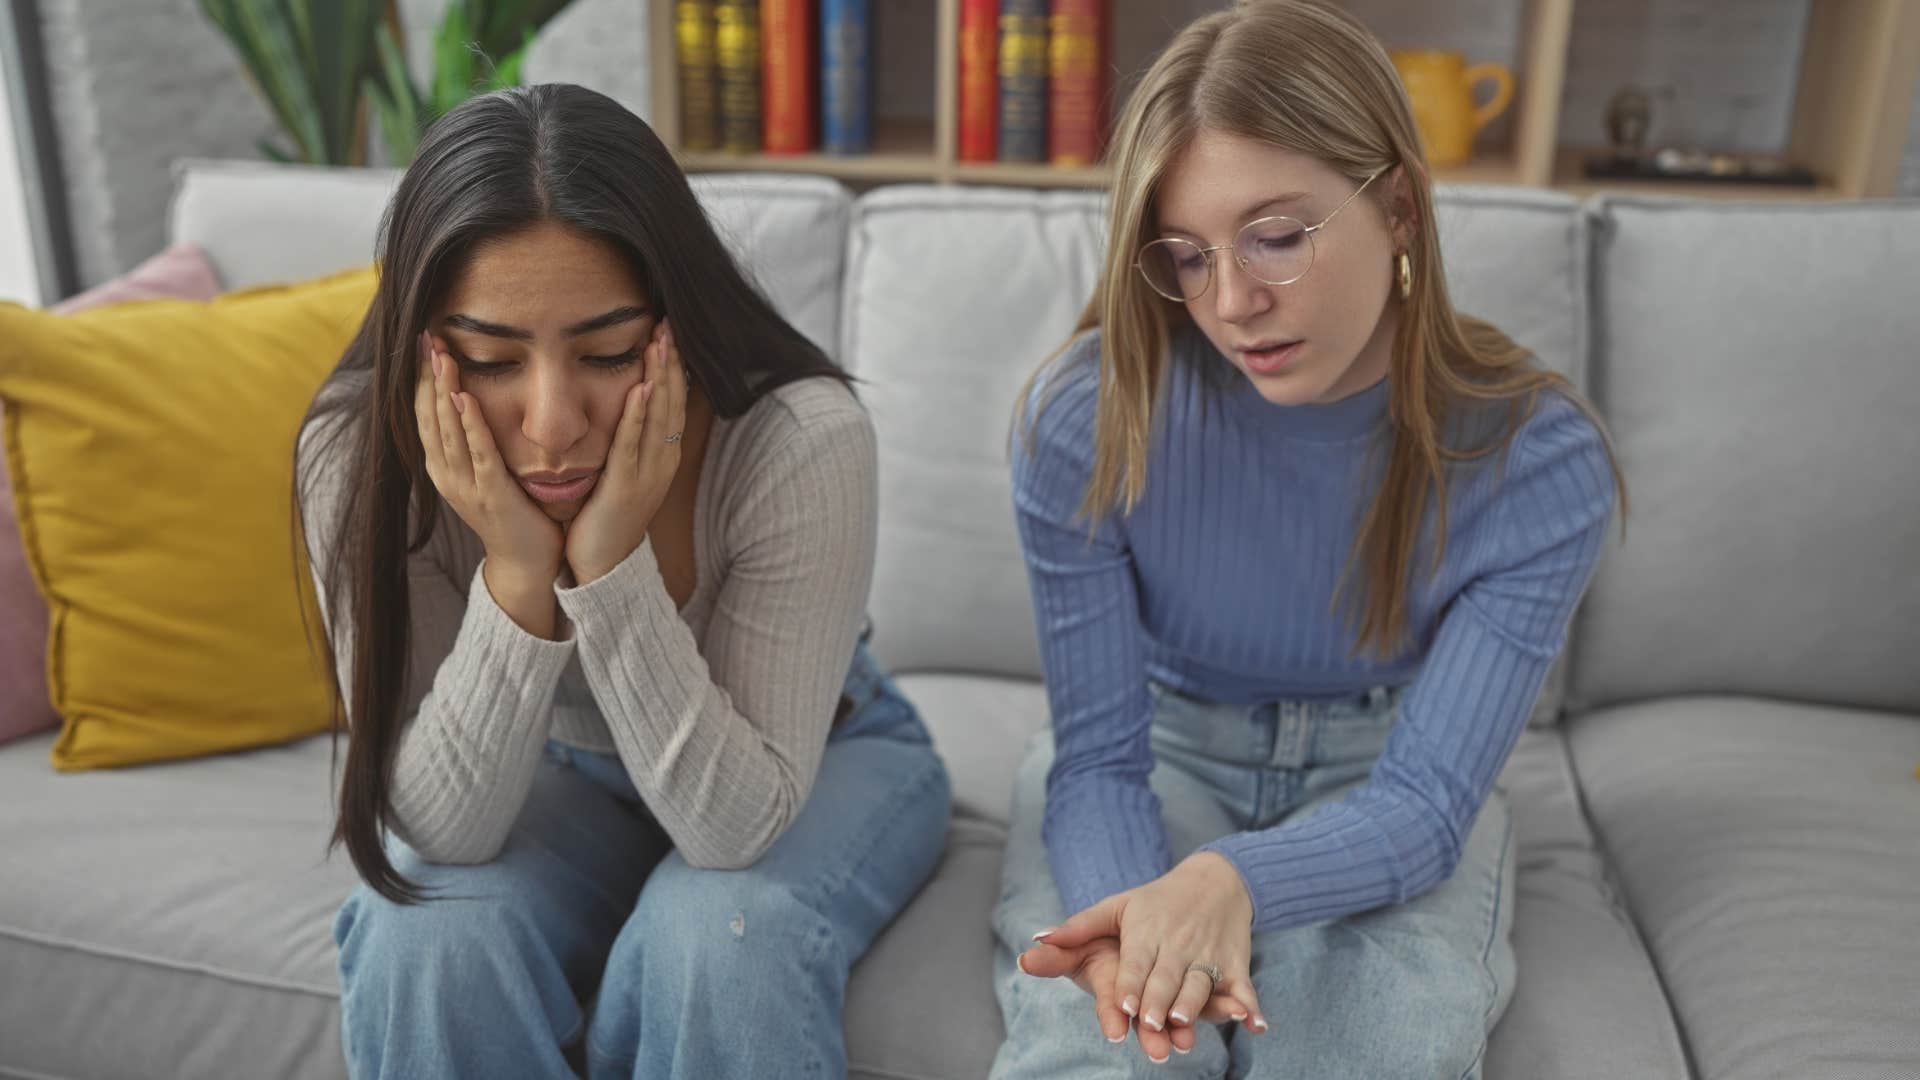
(180, 273)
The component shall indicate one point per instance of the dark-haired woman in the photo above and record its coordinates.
(593, 529)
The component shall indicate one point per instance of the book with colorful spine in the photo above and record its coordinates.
(979, 79)
(787, 74)
(698, 77)
(1076, 81)
(737, 49)
(846, 97)
(1023, 80)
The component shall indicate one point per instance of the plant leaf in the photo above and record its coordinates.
(396, 100)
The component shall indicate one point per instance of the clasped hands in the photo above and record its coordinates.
(1141, 954)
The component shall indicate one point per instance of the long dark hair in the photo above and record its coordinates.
(493, 166)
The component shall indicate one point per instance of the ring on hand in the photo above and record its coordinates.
(1211, 971)
(673, 438)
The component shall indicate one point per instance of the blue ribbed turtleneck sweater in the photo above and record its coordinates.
(1220, 584)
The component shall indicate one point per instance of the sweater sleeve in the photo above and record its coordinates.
(477, 695)
(1400, 832)
(723, 736)
(1102, 824)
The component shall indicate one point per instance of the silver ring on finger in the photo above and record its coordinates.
(1211, 971)
(673, 438)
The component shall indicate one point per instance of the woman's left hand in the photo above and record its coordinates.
(1198, 913)
(640, 466)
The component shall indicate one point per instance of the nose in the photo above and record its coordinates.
(555, 414)
(1237, 297)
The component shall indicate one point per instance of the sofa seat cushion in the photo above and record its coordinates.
(169, 920)
(1771, 852)
(1589, 1002)
(176, 920)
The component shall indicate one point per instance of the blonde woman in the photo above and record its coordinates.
(1303, 542)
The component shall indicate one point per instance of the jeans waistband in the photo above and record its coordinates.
(1373, 699)
(1295, 733)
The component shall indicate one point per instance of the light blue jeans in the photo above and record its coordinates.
(1406, 991)
(698, 973)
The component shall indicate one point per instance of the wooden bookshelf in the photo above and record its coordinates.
(902, 150)
(1567, 177)
(1859, 67)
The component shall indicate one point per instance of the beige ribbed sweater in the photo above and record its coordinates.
(719, 711)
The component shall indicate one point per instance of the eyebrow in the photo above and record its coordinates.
(1291, 196)
(514, 333)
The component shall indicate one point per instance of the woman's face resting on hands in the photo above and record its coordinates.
(547, 327)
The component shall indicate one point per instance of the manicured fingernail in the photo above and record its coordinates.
(1045, 934)
(1177, 1050)
(436, 364)
(1020, 961)
(1152, 1023)
(1158, 1060)
(1179, 1017)
(1238, 1017)
(1129, 1006)
(460, 403)
(1120, 1038)
(1259, 1024)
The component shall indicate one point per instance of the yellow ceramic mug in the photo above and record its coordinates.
(1440, 85)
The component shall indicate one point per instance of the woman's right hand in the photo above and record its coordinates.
(524, 547)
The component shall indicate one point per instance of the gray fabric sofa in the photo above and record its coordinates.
(1718, 810)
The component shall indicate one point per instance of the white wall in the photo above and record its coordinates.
(18, 280)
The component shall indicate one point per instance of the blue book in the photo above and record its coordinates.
(1023, 80)
(846, 76)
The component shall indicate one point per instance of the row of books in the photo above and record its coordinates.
(795, 76)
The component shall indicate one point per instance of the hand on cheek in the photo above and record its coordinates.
(640, 467)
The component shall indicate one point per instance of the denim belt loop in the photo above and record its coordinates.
(1289, 731)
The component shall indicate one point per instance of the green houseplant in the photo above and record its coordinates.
(319, 64)
(471, 35)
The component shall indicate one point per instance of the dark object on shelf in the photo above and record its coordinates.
(1629, 115)
(1676, 164)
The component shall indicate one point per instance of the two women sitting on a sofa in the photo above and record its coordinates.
(594, 531)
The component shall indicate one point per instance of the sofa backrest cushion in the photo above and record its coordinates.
(261, 222)
(1758, 367)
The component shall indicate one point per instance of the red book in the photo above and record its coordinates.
(787, 70)
(1076, 84)
(979, 79)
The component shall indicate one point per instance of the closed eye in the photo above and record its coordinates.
(488, 369)
(616, 361)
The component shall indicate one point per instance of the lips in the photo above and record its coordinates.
(560, 487)
(1269, 357)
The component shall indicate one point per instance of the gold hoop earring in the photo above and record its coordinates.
(1404, 264)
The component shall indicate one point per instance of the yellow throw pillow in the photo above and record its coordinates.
(151, 450)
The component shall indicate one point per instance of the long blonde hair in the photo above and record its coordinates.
(1337, 98)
